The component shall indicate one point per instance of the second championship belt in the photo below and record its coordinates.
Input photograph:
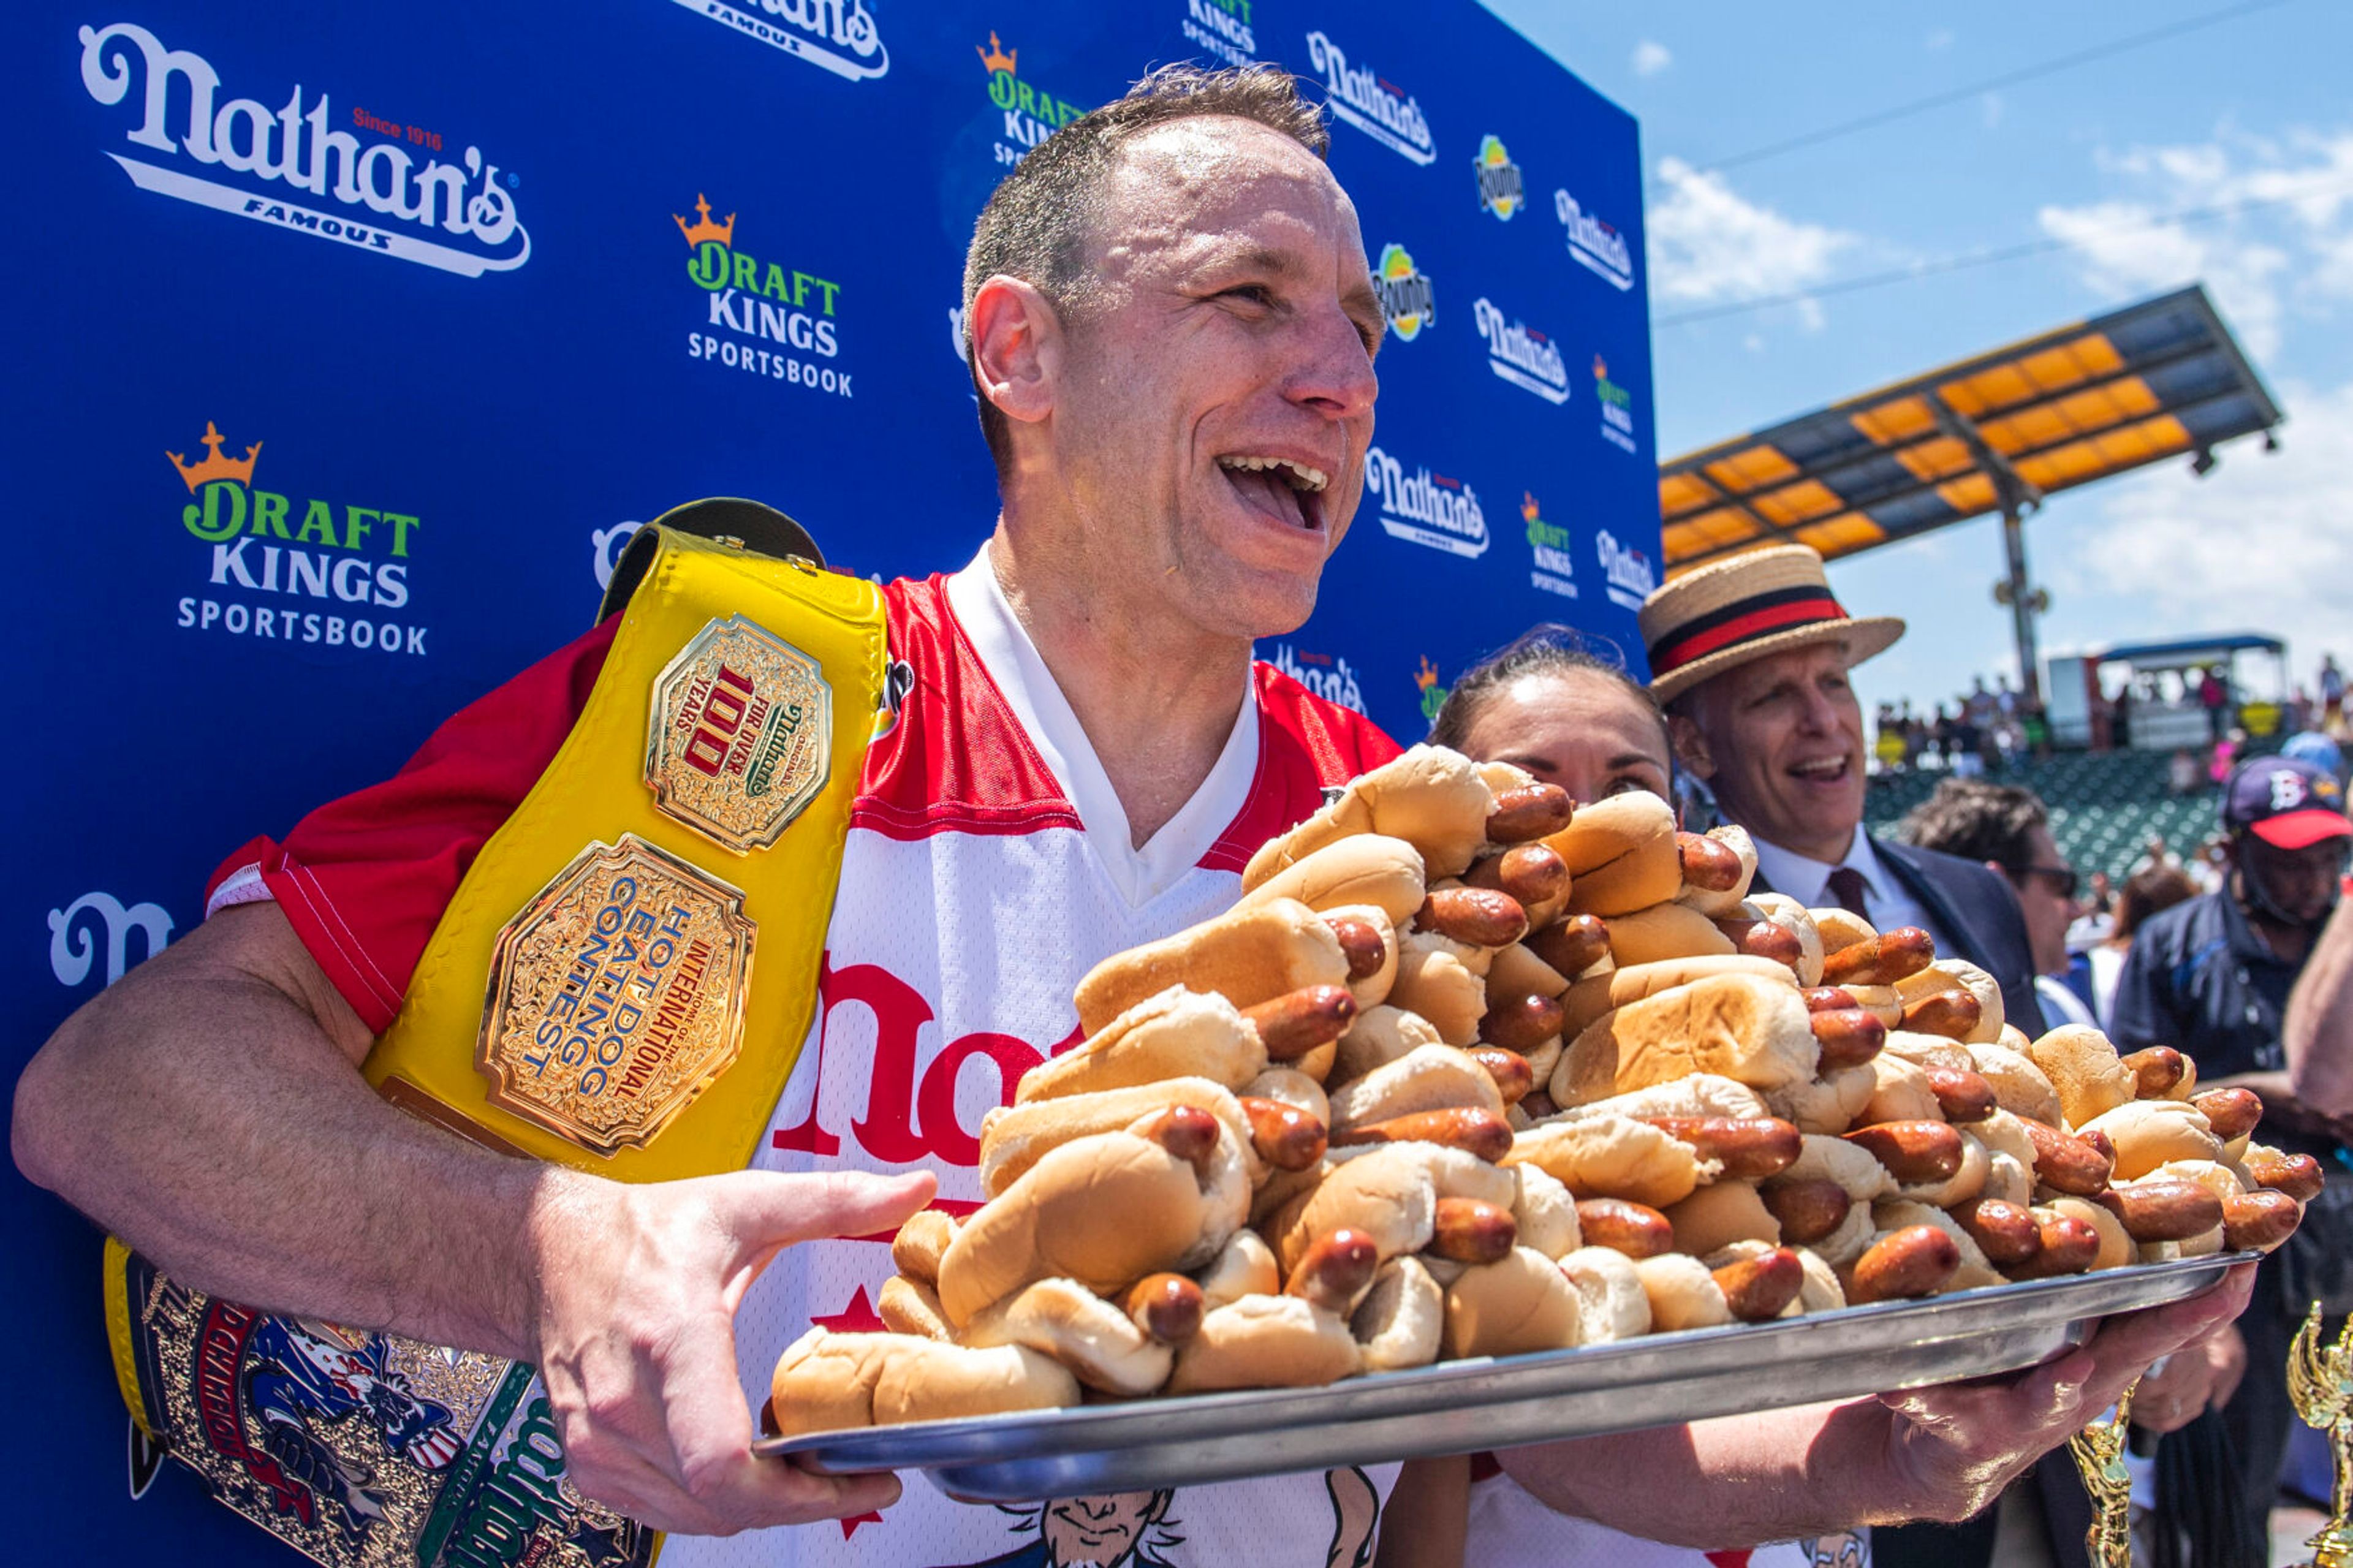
(621, 984)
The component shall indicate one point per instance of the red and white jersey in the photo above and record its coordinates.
(988, 866)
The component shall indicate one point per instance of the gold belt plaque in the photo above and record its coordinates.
(741, 734)
(617, 996)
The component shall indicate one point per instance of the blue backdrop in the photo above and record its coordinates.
(350, 344)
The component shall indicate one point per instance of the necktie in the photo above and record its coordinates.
(1847, 888)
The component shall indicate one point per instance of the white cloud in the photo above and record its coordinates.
(2262, 263)
(1650, 58)
(1709, 244)
(2259, 544)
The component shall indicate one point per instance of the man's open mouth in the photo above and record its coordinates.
(1821, 770)
(1292, 491)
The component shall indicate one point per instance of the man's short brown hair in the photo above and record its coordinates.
(1036, 225)
(1978, 821)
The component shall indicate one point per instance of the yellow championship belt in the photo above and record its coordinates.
(621, 983)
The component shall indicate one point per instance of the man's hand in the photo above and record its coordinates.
(1952, 1449)
(2201, 1374)
(637, 1292)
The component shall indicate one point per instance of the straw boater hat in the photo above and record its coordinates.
(1745, 608)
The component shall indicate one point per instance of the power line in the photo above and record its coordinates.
(1991, 84)
(1988, 257)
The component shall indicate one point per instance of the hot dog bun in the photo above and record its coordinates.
(2086, 1071)
(1620, 854)
(1742, 1026)
(1440, 980)
(1663, 933)
(1247, 956)
(1433, 1078)
(1265, 1342)
(1610, 1301)
(2148, 1133)
(1718, 1215)
(2019, 1086)
(1100, 1345)
(1364, 869)
(1015, 1137)
(1177, 1033)
(828, 1381)
(1607, 1156)
(1718, 902)
(1432, 798)
(1400, 1321)
(1794, 918)
(1589, 999)
(1520, 1302)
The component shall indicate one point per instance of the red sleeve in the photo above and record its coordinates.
(364, 880)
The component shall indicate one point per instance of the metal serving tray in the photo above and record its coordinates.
(1456, 1406)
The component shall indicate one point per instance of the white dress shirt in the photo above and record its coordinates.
(1887, 902)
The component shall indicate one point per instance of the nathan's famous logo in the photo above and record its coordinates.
(290, 553)
(1433, 696)
(1328, 676)
(73, 941)
(839, 35)
(1501, 191)
(1598, 248)
(458, 216)
(1632, 577)
(1408, 301)
(757, 302)
(1617, 407)
(1363, 97)
(1031, 113)
(1521, 355)
(1425, 509)
(1221, 28)
(1554, 569)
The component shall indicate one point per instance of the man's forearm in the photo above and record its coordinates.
(199, 1111)
(1735, 1481)
(2318, 1033)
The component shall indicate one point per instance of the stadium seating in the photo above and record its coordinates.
(2104, 805)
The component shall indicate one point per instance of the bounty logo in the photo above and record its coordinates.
(1360, 96)
(757, 303)
(1549, 548)
(839, 35)
(1501, 191)
(1617, 407)
(1328, 677)
(1430, 510)
(287, 572)
(1408, 301)
(1030, 115)
(1221, 28)
(1597, 247)
(1521, 355)
(1433, 696)
(1633, 578)
(459, 217)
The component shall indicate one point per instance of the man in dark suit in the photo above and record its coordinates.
(1749, 659)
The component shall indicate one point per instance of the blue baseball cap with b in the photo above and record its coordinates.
(2286, 802)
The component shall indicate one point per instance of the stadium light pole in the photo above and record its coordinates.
(2019, 496)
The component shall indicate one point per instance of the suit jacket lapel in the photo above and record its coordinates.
(1932, 898)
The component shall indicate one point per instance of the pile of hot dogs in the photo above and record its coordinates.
(1467, 1072)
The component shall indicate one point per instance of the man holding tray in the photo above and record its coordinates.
(1172, 328)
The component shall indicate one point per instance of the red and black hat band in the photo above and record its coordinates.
(1744, 620)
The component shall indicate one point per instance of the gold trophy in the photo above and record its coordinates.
(2321, 1384)
(2098, 1452)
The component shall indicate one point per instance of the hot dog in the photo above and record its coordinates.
(1913, 1261)
(1707, 864)
(1952, 1014)
(2297, 1175)
(1514, 1078)
(2006, 1233)
(1334, 1270)
(2065, 1245)
(1750, 1147)
(1522, 1022)
(1471, 1231)
(1573, 945)
(1285, 1137)
(1637, 1230)
(2259, 1221)
(1763, 939)
(1301, 1021)
(1758, 1288)
(1169, 1307)
(2066, 1164)
(1529, 874)
(1963, 1096)
(1531, 811)
(1185, 1131)
(2232, 1112)
(1807, 1209)
(1830, 999)
(1882, 960)
(1467, 1128)
(1913, 1152)
(2162, 1208)
(2156, 1070)
(1476, 917)
(1361, 945)
(1848, 1037)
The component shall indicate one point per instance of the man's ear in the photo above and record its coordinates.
(1690, 746)
(1017, 348)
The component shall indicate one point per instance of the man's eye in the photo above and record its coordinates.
(1256, 293)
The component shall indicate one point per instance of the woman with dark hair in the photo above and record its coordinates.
(2152, 888)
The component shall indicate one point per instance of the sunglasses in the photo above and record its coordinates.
(2063, 879)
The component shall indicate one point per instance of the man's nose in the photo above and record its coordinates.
(1336, 376)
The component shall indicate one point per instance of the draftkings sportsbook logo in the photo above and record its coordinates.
(286, 569)
(1221, 29)
(755, 303)
(459, 217)
(1553, 567)
(1408, 301)
(1521, 355)
(1363, 97)
(1617, 407)
(1600, 248)
(1501, 190)
(839, 35)
(1425, 509)
(1326, 675)
(1433, 696)
(1633, 578)
(1031, 113)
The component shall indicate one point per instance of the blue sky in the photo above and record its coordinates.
(2250, 108)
